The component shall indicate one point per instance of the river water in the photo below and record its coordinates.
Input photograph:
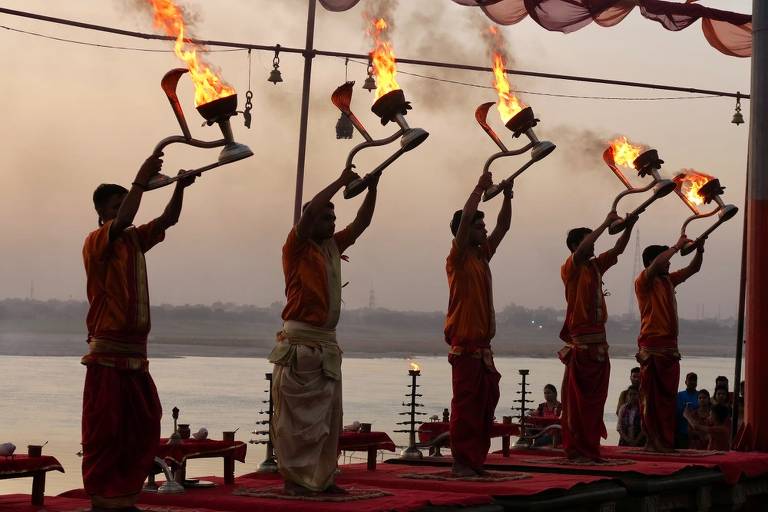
(41, 399)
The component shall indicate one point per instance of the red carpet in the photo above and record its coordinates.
(20, 503)
(220, 498)
(386, 477)
(732, 464)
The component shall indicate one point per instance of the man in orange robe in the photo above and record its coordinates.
(306, 381)
(121, 409)
(469, 327)
(658, 354)
(585, 354)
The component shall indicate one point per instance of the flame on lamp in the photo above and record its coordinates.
(624, 152)
(508, 104)
(209, 86)
(689, 182)
(415, 367)
(382, 58)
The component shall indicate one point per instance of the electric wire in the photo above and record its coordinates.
(235, 46)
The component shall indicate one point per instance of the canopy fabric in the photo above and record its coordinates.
(728, 32)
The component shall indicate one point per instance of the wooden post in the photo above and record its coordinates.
(38, 488)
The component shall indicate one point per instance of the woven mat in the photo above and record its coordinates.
(676, 453)
(278, 493)
(492, 476)
(565, 461)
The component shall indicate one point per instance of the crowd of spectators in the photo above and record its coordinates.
(703, 420)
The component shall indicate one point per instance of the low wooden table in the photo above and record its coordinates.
(432, 429)
(176, 455)
(22, 466)
(370, 442)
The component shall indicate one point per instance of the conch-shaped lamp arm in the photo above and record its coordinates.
(169, 84)
(481, 116)
(661, 188)
(342, 99)
(724, 213)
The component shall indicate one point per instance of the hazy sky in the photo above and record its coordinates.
(75, 116)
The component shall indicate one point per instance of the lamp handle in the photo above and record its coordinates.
(356, 187)
(617, 227)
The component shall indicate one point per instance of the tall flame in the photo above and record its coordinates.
(508, 104)
(415, 367)
(382, 58)
(209, 86)
(688, 185)
(624, 152)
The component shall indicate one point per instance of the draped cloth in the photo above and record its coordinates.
(658, 355)
(121, 427)
(475, 396)
(121, 409)
(584, 392)
(659, 377)
(728, 32)
(470, 325)
(306, 388)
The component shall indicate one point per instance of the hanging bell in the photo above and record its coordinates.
(344, 128)
(738, 118)
(275, 76)
(370, 83)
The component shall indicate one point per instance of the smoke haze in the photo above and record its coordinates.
(84, 115)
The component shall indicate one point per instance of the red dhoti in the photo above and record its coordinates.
(475, 396)
(659, 377)
(584, 391)
(121, 430)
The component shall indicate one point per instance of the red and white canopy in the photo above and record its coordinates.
(728, 32)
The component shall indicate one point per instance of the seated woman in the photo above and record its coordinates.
(550, 408)
(701, 416)
(628, 425)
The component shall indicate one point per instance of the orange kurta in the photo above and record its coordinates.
(658, 356)
(469, 327)
(587, 366)
(310, 278)
(586, 312)
(121, 409)
(471, 318)
(118, 316)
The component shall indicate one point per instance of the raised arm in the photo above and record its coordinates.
(504, 220)
(130, 204)
(172, 210)
(586, 247)
(621, 243)
(322, 198)
(659, 263)
(693, 267)
(365, 212)
(469, 210)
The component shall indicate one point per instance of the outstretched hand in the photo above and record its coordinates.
(373, 180)
(509, 192)
(485, 181)
(348, 175)
(150, 168)
(682, 242)
(611, 218)
(187, 180)
(630, 220)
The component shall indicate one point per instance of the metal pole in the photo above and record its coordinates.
(309, 54)
(755, 433)
(740, 315)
